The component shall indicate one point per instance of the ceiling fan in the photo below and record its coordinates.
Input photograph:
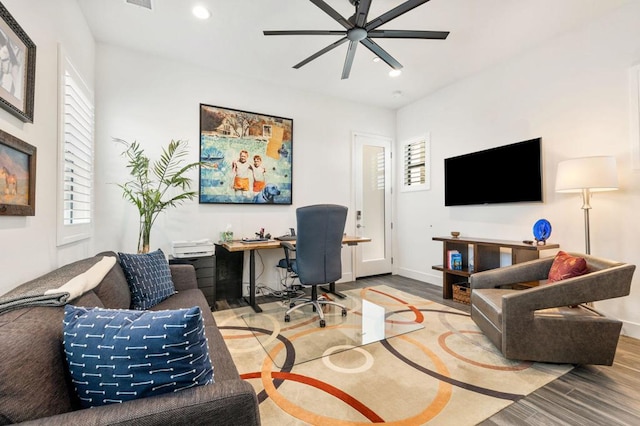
(358, 30)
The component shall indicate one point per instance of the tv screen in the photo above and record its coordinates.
(506, 174)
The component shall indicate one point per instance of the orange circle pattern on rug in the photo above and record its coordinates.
(442, 340)
(439, 402)
(419, 318)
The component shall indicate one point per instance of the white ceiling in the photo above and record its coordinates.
(483, 33)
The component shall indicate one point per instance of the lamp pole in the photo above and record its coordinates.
(586, 198)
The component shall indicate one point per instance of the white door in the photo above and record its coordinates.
(372, 168)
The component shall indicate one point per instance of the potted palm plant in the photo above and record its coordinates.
(156, 185)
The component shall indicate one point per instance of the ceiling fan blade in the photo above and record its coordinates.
(430, 35)
(351, 53)
(361, 12)
(331, 12)
(320, 52)
(381, 53)
(393, 13)
(305, 32)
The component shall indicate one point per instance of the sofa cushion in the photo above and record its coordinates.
(120, 355)
(566, 266)
(114, 289)
(33, 383)
(149, 278)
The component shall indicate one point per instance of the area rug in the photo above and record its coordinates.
(445, 373)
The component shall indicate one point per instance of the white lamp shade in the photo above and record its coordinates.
(592, 173)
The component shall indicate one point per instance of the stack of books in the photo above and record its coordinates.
(454, 260)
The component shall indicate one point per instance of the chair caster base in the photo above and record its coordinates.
(287, 318)
(344, 312)
(322, 323)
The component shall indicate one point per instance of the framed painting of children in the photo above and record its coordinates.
(246, 157)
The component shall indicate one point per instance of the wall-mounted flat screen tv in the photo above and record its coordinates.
(505, 174)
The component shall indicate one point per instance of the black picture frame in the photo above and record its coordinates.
(263, 176)
(17, 176)
(17, 68)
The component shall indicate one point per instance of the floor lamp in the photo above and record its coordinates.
(587, 175)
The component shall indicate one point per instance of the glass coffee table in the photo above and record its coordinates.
(302, 339)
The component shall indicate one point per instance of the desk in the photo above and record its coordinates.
(237, 245)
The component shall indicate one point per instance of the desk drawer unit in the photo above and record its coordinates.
(205, 267)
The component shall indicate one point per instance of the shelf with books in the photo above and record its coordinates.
(476, 254)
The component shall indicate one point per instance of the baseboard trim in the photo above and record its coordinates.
(433, 278)
(630, 329)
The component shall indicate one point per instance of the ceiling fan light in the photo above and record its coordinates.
(201, 12)
(395, 73)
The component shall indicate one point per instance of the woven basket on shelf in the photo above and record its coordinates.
(462, 293)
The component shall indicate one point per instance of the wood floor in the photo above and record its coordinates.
(588, 395)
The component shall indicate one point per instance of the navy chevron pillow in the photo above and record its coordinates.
(119, 355)
(149, 278)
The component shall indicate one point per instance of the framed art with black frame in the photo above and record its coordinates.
(246, 157)
(17, 68)
(17, 176)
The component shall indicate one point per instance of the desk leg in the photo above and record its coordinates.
(252, 281)
(332, 289)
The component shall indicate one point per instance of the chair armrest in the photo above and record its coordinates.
(532, 270)
(183, 276)
(287, 245)
(599, 285)
(230, 402)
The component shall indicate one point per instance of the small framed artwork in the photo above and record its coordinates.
(246, 157)
(17, 68)
(17, 177)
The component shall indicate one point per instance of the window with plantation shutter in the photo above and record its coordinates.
(75, 198)
(415, 165)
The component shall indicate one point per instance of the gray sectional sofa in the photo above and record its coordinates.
(34, 383)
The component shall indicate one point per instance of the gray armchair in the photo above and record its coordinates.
(318, 258)
(548, 323)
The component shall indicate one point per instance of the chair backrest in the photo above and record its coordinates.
(319, 243)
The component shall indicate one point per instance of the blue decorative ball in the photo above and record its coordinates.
(542, 230)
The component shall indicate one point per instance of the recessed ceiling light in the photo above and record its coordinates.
(395, 73)
(376, 59)
(201, 12)
(396, 94)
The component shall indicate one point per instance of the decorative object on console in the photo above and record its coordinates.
(246, 157)
(587, 175)
(18, 55)
(149, 278)
(154, 196)
(17, 176)
(542, 231)
(455, 234)
(119, 355)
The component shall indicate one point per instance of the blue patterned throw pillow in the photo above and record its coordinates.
(149, 278)
(119, 355)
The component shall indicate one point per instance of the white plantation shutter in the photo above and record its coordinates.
(76, 159)
(415, 162)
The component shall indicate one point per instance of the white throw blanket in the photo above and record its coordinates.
(86, 281)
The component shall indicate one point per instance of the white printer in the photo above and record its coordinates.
(197, 248)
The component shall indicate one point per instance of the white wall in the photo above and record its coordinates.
(29, 243)
(574, 93)
(152, 100)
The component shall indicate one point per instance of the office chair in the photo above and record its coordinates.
(317, 253)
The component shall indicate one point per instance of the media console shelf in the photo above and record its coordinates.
(485, 254)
